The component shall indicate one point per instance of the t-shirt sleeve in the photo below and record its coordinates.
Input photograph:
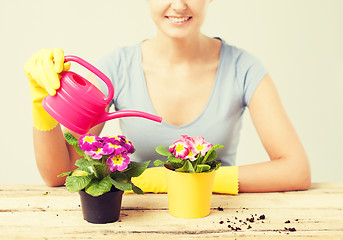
(249, 73)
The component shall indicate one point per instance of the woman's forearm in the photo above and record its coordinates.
(276, 175)
(52, 155)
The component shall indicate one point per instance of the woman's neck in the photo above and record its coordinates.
(178, 51)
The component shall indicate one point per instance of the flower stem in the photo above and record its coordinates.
(107, 171)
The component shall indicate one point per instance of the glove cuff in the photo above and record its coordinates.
(41, 119)
(226, 180)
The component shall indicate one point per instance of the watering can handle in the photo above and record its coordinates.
(97, 72)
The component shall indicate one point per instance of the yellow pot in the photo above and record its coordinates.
(189, 194)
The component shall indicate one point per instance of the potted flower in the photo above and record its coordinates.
(104, 172)
(190, 170)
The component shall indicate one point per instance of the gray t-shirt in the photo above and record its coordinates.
(238, 75)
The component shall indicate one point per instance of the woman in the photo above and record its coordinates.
(199, 85)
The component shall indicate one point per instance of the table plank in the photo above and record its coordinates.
(38, 212)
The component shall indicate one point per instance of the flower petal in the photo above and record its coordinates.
(89, 142)
(181, 149)
(118, 162)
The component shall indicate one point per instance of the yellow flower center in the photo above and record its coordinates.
(117, 159)
(89, 139)
(179, 147)
(114, 145)
(115, 137)
(190, 154)
(199, 147)
(98, 151)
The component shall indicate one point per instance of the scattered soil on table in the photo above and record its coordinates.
(220, 209)
(239, 224)
(290, 229)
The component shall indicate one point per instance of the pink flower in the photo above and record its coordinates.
(189, 147)
(180, 148)
(118, 162)
(191, 155)
(200, 146)
(185, 138)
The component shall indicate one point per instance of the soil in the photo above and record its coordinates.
(245, 223)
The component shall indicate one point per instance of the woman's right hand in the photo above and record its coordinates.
(44, 67)
(43, 72)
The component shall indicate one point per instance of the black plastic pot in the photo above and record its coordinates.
(101, 209)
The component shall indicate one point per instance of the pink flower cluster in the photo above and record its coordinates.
(117, 149)
(188, 148)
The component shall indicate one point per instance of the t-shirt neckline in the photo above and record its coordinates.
(147, 96)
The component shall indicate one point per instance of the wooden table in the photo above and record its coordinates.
(40, 212)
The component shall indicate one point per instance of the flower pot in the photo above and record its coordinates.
(189, 194)
(101, 209)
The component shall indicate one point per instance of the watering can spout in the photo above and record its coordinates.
(127, 113)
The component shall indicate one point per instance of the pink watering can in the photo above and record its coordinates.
(79, 105)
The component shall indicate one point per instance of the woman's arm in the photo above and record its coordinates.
(289, 167)
(53, 154)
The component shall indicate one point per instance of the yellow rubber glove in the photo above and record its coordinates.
(153, 180)
(226, 180)
(43, 72)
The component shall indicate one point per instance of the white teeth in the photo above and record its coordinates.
(178, 19)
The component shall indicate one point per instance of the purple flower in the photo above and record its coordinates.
(96, 154)
(112, 139)
(126, 144)
(113, 148)
(118, 162)
(89, 142)
(116, 147)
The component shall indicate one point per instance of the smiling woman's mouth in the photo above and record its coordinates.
(179, 20)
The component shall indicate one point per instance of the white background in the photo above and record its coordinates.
(299, 41)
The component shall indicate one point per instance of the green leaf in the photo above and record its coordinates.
(120, 176)
(97, 188)
(80, 172)
(215, 164)
(162, 150)
(199, 159)
(211, 156)
(121, 184)
(65, 174)
(210, 152)
(71, 139)
(175, 162)
(135, 169)
(74, 142)
(202, 168)
(158, 162)
(187, 167)
(136, 189)
(99, 170)
(85, 163)
(77, 183)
